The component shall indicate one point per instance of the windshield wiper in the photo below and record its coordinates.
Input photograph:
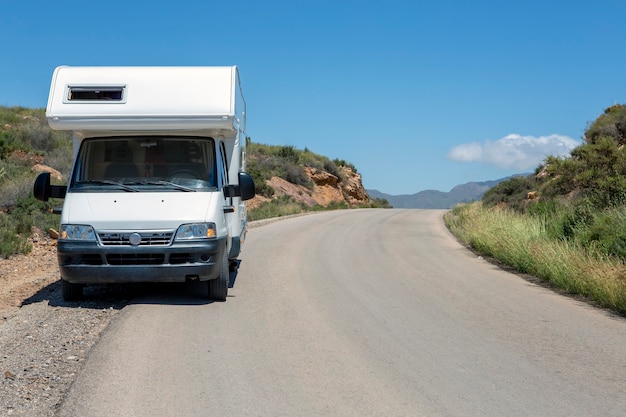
(108, 182)
(169, 184)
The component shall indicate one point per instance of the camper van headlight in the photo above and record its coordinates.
(77, 232)
(196, 231)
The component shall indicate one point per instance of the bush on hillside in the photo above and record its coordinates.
(594, 171)
(343, 163)
(260, 185)
(512, 193)
(11, 242)
(612, 124)
(607, 233)
(599, 171)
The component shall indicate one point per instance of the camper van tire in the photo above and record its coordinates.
(71, 291)
(218, 287)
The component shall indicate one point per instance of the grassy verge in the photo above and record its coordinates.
(525, 243)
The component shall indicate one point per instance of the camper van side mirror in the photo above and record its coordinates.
(245, 189)
(43, 191)
(246, 183)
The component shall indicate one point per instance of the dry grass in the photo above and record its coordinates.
(522, 243)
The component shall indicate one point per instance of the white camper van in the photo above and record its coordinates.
(158, 187)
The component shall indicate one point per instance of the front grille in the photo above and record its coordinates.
(135, 258)
(89, 259)
(82, 259)
(155, 238)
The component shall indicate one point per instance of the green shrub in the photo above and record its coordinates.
(599, 171)
(612, 124)
(9, 142)
(61, 159)
(29, 212)
(15, 188)
(600, 231)
(606, 233)
(313, 160)
(11, 242)
(289, 153)
(332, 168)
(343, 163)
(295, 174)
(39, 137)
(513, 192)
(9, 171)
(260, 185)
(572, 221)
(544, 208)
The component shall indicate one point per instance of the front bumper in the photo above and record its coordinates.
(91, 263)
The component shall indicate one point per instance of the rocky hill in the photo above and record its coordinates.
(289, 180)
(327, 189)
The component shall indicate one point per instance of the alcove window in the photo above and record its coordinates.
(96, 93)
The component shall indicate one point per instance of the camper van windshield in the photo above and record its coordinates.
(145, 164)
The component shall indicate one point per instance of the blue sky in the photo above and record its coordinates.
(416, 94)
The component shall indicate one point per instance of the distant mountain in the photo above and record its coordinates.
(433, 199)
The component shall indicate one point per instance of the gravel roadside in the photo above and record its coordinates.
(44, 341)
(43, 346)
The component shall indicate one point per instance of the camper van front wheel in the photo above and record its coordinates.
(218, 287)
(71, 291)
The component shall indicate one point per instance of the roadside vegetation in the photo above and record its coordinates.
(566, 223)
(27, 140)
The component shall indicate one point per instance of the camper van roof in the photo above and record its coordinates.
(132, 98)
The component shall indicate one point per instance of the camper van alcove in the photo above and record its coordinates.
(158, 188)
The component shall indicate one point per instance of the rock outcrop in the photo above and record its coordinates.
(327, 189)
(352, 188)
(39, 168)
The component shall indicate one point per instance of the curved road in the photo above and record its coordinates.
(358, 313)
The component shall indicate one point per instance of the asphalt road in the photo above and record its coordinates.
(357, 313)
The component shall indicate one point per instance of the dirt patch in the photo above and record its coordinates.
(22, 276)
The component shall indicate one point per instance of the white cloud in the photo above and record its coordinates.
(514, 151)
